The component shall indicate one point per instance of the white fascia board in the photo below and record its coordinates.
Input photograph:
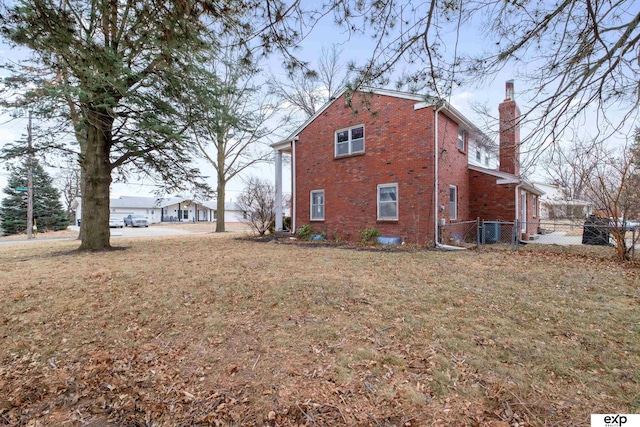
(284, 145)
(503, 181)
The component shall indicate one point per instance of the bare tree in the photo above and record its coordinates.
(69, 181)
(305, 89)
(258, 200)
(571, 166)
(229, 115)
(614, 188)
(576, 55)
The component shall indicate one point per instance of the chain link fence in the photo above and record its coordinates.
(463, 234)
(593, 232)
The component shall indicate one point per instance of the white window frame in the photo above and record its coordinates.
(478, 155)
(349, 141)
(453, 205)
(389, 185)
(462, 139)
(311, 193)
(535, 206)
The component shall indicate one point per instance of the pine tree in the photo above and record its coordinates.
(47, 209)
(117, 72)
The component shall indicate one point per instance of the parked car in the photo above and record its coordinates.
(628, 225)
(116, 222)
(136, 221)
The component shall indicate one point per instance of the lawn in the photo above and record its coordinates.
(214, 330)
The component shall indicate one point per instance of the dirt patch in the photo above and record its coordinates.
(211, 330)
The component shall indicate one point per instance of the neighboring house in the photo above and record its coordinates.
(555, 204)
(172, 209)
(375, 159)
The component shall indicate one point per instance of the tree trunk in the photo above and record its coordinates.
(220, 206)
(222, 183)
(96, 177)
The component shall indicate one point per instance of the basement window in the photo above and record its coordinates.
(349, 141)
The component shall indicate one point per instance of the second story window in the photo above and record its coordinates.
(350, 141)
(462, 139)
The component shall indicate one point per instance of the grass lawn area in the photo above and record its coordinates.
(213, 330)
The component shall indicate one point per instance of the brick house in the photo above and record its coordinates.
(374, 159)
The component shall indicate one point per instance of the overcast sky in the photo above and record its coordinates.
(489, 93)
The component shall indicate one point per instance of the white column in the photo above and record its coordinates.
(278, 190)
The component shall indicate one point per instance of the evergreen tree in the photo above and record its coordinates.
(47, 209)
(117, 71)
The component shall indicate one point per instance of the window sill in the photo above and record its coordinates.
(462, 151)
(317, 220)
(346, 156)
(387, 220)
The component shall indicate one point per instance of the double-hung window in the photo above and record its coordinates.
(462, 139)
(349, 141)
(317, 205)
(453, 202)
(388, 201)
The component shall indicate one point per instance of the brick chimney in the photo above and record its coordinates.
(509, 132)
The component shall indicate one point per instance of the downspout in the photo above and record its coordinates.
(436, 207)
(293, 186)
(518, 226)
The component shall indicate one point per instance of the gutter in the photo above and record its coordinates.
(436, 209)
(293, 186)
(518, 209)
(435, 160)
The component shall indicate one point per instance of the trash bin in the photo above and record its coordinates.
(595, 231)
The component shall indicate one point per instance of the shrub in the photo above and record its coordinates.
(286, 223)
(369, 235)
(304, 232)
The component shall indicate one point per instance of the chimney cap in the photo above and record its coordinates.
(509, 91)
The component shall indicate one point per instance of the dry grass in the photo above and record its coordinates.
(203, 329)
(61, 234)
(204, 226)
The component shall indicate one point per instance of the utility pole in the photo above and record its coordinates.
(29, 181)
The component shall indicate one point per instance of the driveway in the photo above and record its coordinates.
(561, 238)
(558, 238)
(147, 231)
(127, 232)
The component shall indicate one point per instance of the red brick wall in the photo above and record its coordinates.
(398, 149)
(452, 169)
(509, 136)
(533, 217)
(493, 202)
(490, 201)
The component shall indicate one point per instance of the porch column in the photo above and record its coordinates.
(278, 190)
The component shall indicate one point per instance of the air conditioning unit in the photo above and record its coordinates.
(491, 232)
